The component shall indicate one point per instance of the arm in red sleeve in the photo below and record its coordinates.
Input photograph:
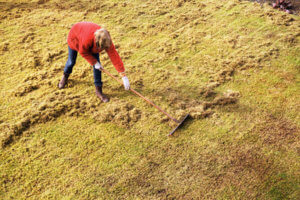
(115, 58)
(84, 51)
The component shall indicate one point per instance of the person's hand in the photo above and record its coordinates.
(98, 66)
(126, 82)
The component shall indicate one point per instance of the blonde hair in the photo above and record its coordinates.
(102, 38)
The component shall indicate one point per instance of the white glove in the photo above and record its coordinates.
(126, 82)
(98, 66)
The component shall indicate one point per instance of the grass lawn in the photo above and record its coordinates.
(232, 65)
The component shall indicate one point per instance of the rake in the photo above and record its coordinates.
(179, 123)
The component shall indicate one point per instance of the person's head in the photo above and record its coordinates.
(102, 38)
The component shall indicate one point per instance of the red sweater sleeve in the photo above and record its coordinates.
(85, 52)
(115, 58)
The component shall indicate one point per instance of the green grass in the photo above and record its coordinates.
(59, 146)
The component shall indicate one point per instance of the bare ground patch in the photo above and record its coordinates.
(279, 132)
(203, 174)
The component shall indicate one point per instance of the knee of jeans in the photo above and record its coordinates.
(72, 63)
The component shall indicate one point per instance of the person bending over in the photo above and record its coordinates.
(89, 39)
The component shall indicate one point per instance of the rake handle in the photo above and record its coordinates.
(137, 93)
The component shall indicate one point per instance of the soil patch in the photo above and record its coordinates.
(279, 132)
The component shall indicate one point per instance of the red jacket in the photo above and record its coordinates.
(81, 38)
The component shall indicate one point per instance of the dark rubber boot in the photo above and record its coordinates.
(101, 96)
(62, 83)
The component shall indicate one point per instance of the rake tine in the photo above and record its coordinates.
(179, 125)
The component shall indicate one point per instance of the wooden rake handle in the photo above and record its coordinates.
(137, 93)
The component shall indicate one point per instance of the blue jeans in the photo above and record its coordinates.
(72, 60)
